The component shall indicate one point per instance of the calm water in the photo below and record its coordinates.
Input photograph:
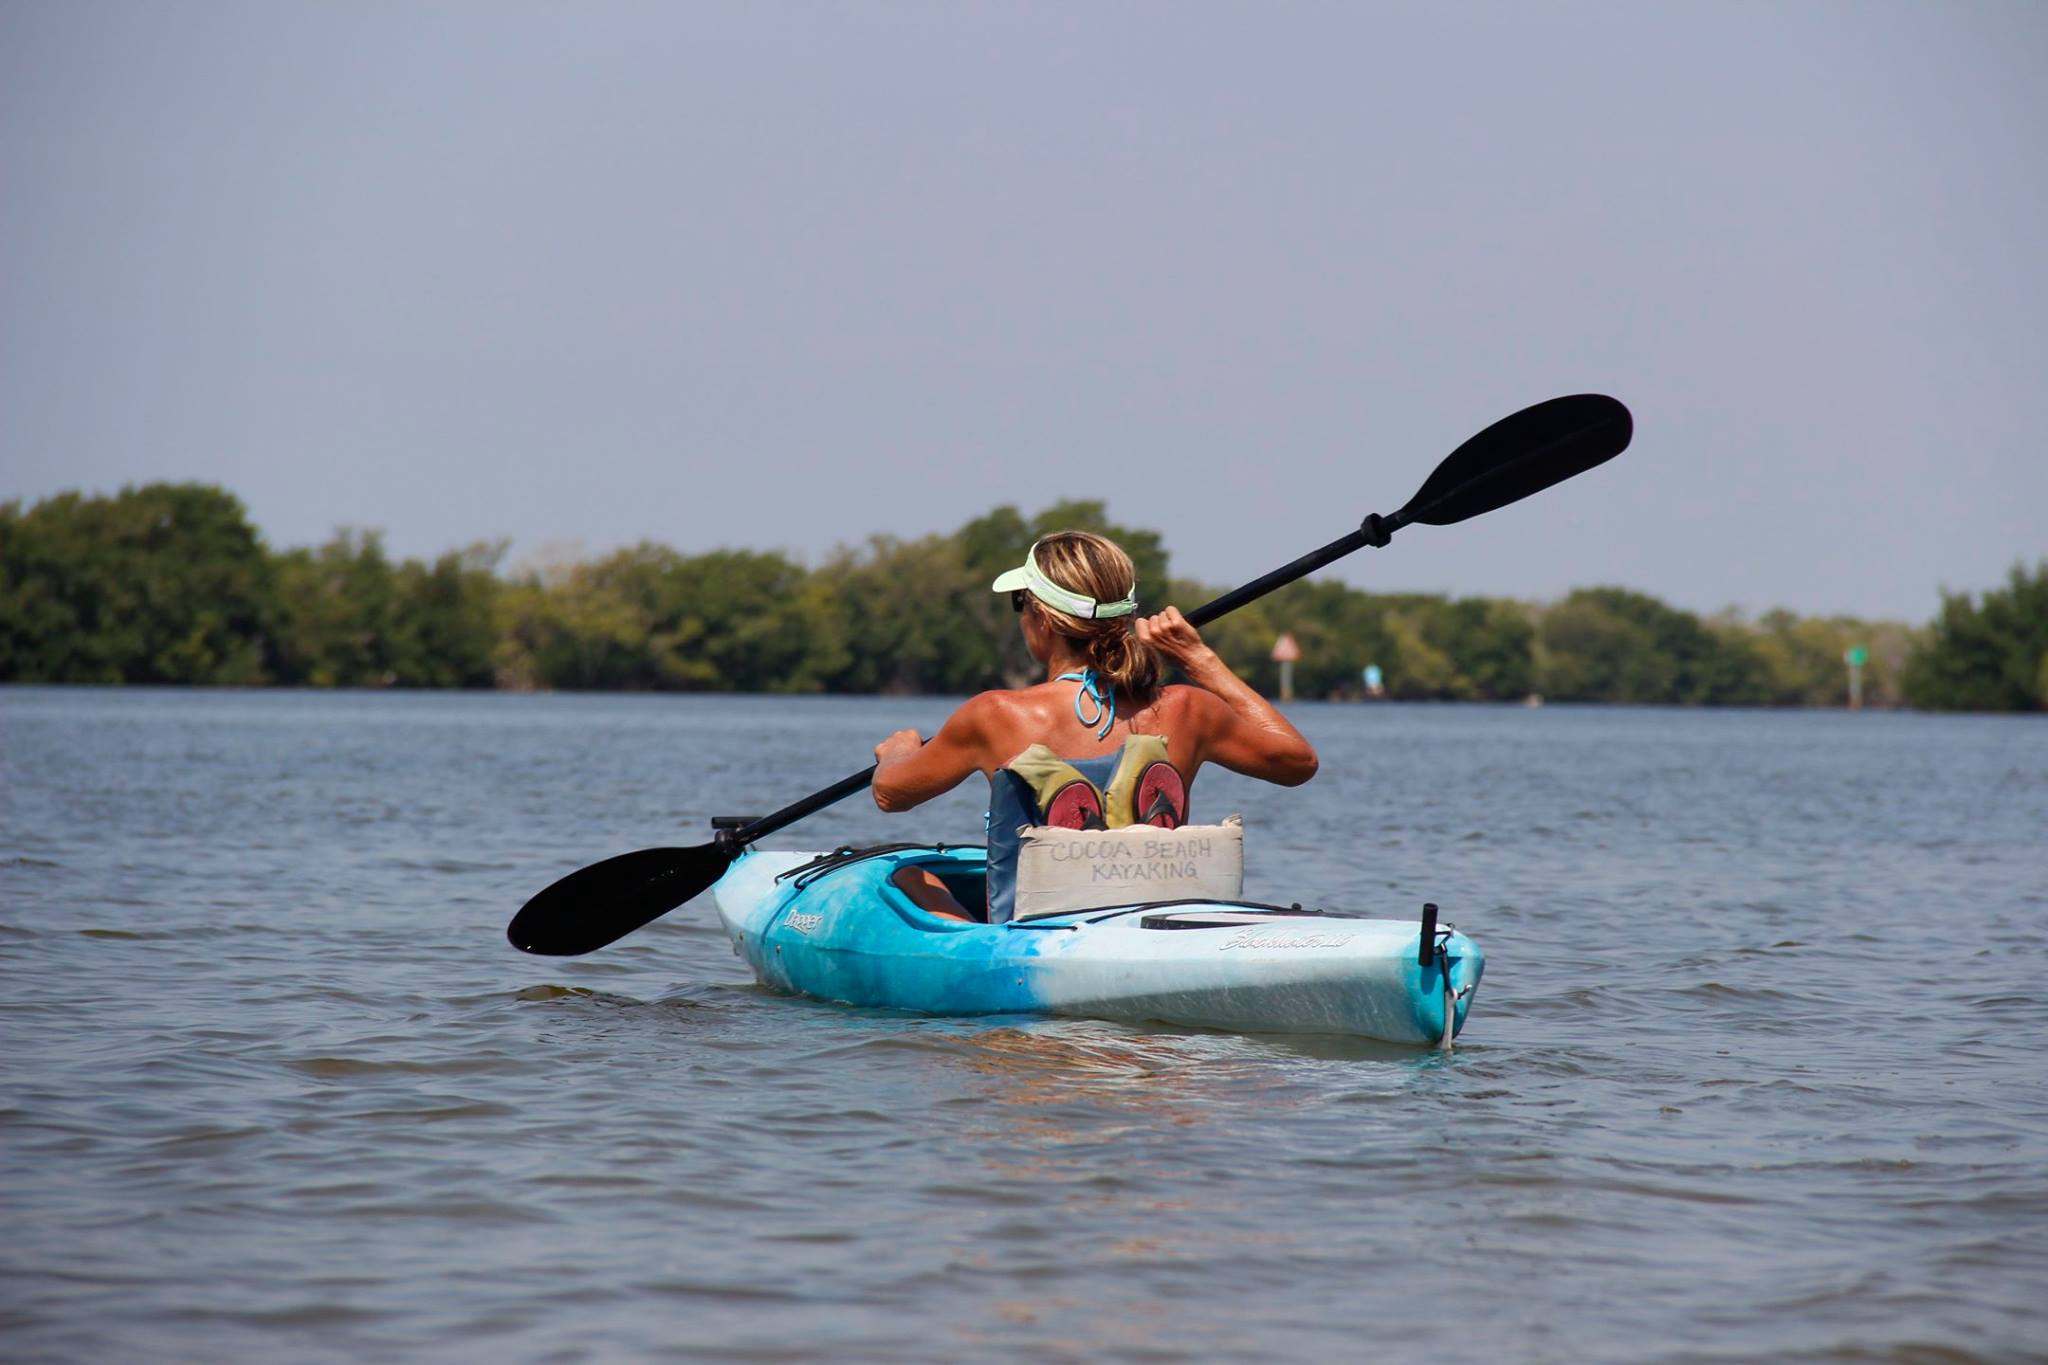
(1757, 1070)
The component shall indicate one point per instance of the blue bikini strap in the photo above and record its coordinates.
(1092, 690)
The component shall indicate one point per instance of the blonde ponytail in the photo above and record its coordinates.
(1083, 562)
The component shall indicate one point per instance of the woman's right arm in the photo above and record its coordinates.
(910, 771)
(1240, 729)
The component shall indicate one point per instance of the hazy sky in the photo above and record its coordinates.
(782, 275)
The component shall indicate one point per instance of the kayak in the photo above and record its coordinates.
(832, 926)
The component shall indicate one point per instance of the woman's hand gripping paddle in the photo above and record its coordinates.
(1511, 459)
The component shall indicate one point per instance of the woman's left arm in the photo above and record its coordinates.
(910, 772)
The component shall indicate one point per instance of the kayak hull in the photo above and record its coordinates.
(844, 933)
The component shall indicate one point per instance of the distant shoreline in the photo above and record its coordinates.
(171, 584)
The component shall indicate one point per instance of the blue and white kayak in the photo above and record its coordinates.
(834, 927)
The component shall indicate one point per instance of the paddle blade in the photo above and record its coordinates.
(1520, 455)
(606, 901)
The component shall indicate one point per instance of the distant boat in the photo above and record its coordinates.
(1533, 699)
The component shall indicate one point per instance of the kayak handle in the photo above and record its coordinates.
(1425, 950)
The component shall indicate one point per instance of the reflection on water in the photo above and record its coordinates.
(1079, 1091)
(1744, 1079)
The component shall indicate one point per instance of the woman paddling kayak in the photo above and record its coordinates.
(1100, 743)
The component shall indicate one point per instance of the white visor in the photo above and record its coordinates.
(1029, 578)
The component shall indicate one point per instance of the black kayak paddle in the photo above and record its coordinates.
(1511, 459)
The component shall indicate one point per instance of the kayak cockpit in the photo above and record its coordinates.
(967, 885)
(961, 869)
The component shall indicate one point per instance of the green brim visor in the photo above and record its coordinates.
(1029, 578)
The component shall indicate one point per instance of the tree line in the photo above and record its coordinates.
(170, 583)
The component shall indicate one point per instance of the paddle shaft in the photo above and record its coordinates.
(732, 841)
(1374, 532)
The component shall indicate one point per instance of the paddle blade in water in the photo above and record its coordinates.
(1520, 455)
(606, 901)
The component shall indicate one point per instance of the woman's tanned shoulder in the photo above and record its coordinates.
(1183, 701)
(1001, 715)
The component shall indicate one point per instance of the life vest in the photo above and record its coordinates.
(1133, 786)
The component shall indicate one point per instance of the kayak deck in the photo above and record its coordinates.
(834, 927)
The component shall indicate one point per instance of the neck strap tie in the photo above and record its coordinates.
(1093, 692)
